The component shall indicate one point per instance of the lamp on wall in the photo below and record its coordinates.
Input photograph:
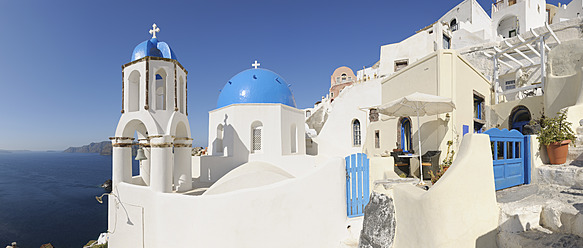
(100, 198)
(447, 118)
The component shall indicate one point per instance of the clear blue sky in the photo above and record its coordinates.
(60, 61)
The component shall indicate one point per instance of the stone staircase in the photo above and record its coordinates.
(548, 213)
(547, 216)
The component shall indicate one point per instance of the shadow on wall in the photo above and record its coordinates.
(434, 133)
(311, 147)
(236, 153)
(459, 203)
(485, 241)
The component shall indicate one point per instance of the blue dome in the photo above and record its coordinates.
(153, 47)
(256, 86)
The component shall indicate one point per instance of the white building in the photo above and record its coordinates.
(257, 187)
(274, 172)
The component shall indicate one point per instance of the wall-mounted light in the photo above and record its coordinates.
(447, 117)
(100, 198)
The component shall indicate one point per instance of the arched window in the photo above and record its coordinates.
(134, 92)
(308, 113)
(343, 77)
(405, 134)
(356, 132)
(519, 117)
(256, 136)
(293, 138)
(181, 95)
(160, 90)
(219, 141)
(453, 25)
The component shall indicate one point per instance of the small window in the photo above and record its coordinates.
(377, 139)
(511, 84)
(453, 26)
(356, 133)
(373, 115)
(400, 64)
(331, 94)
(337, 79)
(479, 107)
(308, 113)
(511, 2)
(256, 137)
(446, 42)
(511, 33)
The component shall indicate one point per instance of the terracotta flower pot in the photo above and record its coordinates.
(558, 151)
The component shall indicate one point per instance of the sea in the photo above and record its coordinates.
(49, 197)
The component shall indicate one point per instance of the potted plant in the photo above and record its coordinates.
(445, 164)
(556, 134)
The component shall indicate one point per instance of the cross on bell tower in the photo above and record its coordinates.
(154, 30)
(255, 64)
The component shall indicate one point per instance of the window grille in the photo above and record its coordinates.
(356, 132)
(257, 139)
(510, 85)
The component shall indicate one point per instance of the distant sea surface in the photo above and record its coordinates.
(50, 197)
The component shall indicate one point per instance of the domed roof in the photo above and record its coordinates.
(256, 86)
(153, 47)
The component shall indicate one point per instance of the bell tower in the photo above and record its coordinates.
(154, 119)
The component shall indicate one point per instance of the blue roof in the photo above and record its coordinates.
(153, 47)
(256, 86)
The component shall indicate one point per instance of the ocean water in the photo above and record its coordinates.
(50, 197)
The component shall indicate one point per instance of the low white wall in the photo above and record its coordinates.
(309, 211)
(460, 210)
(211, 168)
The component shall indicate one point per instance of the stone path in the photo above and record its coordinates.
(541, 216)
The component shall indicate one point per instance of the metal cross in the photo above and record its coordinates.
(154, 30)
(255, 64)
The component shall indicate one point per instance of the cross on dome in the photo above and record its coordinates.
(255, 64)
(154, 30)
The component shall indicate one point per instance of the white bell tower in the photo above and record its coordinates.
(154, 117)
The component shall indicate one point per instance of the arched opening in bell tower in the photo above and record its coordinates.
(181, 95)
(140, 169)
(134, 92)
(160, 90)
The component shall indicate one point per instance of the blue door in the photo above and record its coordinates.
(357, 179)
(510, 153)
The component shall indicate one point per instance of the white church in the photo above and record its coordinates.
(279, 176)
(264, 189)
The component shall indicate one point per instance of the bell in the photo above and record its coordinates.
(141, 155)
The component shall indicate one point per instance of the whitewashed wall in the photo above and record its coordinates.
(307, 211)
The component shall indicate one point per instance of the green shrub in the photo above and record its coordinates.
(555, 129)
